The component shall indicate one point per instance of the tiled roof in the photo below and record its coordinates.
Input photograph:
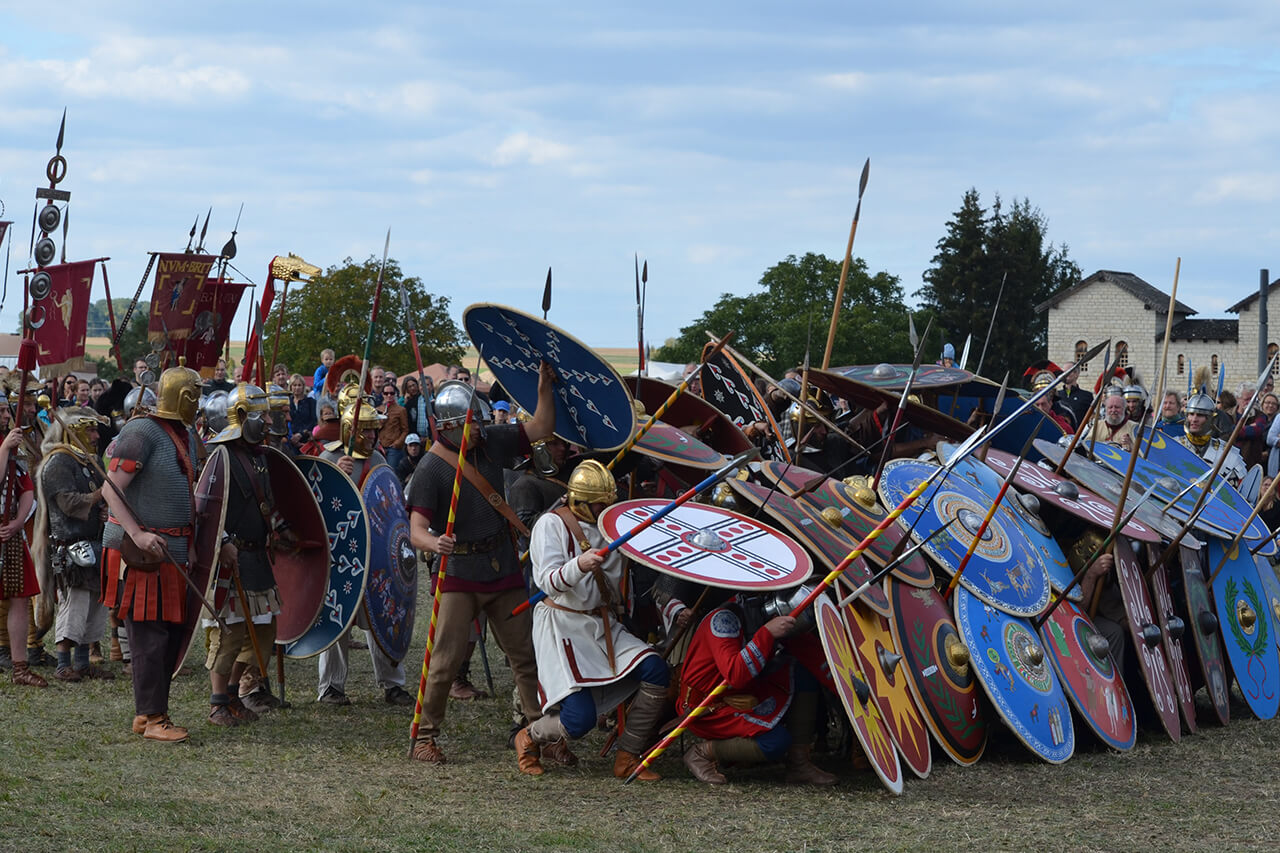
(1204, 330)
(1152, 297)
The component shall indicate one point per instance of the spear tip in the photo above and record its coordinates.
(62, 129)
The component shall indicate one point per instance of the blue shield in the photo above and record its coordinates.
(1248, 628)
(391, 595)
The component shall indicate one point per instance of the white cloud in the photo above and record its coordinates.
(522, 147)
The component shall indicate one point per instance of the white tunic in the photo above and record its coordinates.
(570, 646)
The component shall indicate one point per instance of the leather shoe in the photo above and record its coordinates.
(626, 763)
(397, 695)
(239, 711)
(559, 753)
(67, 674)
(464, 691)
(220, 715)
(259, 701)
(161, 728)
(37, 656)
(702, 764)
(527, 754)
(139, 724)
(23, 675)
(426, 750)
(95, 653)
(96, 673)
(334, 696)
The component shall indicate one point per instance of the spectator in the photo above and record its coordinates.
(416, 407)
(412, 455)
(219, 382)
(396, 427)
(501, 412)
(317, 381)
(280, 376)
(302, 411)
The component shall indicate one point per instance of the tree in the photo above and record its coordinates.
(774, 327)
(133, 344)
(332, 311)
(979, 250)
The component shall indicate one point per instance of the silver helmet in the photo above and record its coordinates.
(246, 415)
(279, 399)
(453, 398)
(143, 397)
(213, 407)
(1200, 403)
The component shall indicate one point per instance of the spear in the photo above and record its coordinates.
(992, 324)
(546, 295)
(844, 270)
(640, 316)
(1158, 400)
(204, 230)
(964, 353)
(368, 346)
(191, 237)
(902, 404)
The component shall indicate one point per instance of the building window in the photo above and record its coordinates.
(1213, 364)
(1081, 348)
(1122, 354)
(1182, 365)
(1271, 353)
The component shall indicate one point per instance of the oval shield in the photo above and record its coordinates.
(1215, 516)
(1248, 632)
(1009, 660)
(868, 725)
(814, 532)
(1172, 630)
(671, 445)
(210, 500)
(691, 414)
(894, 376)
(871, 398)
(727, 387)
(1145, 635)
(882, 668)
(936, 662)
(302, 575)
(1004, 570)
(1090, 676)
(391, 594)
(708, 545)
(1203, 621)
(593, 406)
(347, 527)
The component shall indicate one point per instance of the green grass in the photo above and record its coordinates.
(315, 777)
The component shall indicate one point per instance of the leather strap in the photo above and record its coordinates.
(476, 479)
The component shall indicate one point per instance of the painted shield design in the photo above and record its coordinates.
(859, 512)
(593, 406)
(869, 727)
(1215, 516)
(1248, 632)
(882, 668)
(871, 398)
(1147, 639)
(1004, 571)
(940, 676)
(691, 414)
(1031, 525)
(347, 528)
(1066, 495)
(1089, 675)
(302, 575)
(391, 595)
(672, 445)
(1187, 466)
(1205, 630)
(728, 388)
(894, 376)
(1009, 660)
(1172, 631)
(708, 545)
(829, 543)
(210, 501)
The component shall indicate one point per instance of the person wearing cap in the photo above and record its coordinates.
(501, 412)
(412, 455)
(948, 356)
(1199, 437)
(1135, 405)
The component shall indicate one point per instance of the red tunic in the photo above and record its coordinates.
(30, 584)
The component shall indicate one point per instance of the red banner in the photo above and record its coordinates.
(219, 301)
(4, 226)
(249, 367)
(180, 278)
(61, 318)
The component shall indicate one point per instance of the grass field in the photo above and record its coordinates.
(315, 777)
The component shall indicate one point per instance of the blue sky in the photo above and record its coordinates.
(713, 139)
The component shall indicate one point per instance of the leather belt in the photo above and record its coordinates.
(479, 546)
(165, 531)
(246, 545)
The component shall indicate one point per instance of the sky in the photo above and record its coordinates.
(711, 139)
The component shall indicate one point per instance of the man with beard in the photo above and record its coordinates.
(1114, 427)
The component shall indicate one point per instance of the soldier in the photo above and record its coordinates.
(483, 572)
(1135, 405)
(587, 662)
(1199, 438)
(146, 538)
(70, 516)
(1114, 427)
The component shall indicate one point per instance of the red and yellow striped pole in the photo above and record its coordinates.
(435, 599)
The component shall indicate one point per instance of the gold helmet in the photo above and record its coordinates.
(1083, 548)
(246, 410)
(818, 401)
(78, 424)
(370, 419)
(590, 483)
(178, 395)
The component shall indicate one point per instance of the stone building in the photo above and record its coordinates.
(1132, 313)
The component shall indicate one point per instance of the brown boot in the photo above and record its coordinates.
(802, 771)
(560, 753)
(427, 750)
(220, 715)
(161, 728)
(139, 724)
(527, 754)
(626, 763)
(116, 653)
(239, 711)
(701, 762)
(23, 675)
(96, 673)
(67, 674)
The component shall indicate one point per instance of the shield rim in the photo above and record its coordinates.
(925, 377)
(286, 465)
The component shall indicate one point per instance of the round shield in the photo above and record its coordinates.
(1145, 635)
(868, 725)
(939, 674)
(1172, 630)
(672, 445)
(1107, 484)
(894, 376)
(871, 398)
(690, 414)
(1203, 621)
(1004, 570)
(859, 513)
(1058, 491)
(391, 595)
(41, 285)
(1215, 517)
(1187, 466)
(727, 387)
(882, 668)
(1248, 632)
(1009, 660)
(830, 544)
(49, 218)
(1045, 546)
(210, 500)
(301, 575)
(45, 251)
(347, 528)
(593, 407)
(1090, 676)
(708, 545)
